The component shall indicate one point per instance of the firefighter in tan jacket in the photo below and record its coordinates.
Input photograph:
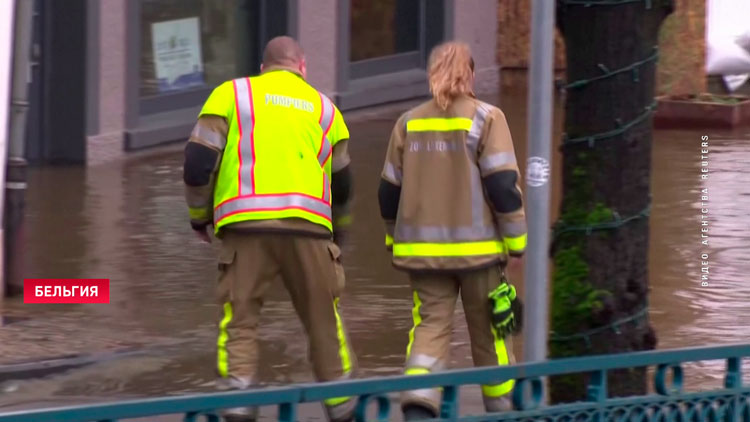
(453, 211)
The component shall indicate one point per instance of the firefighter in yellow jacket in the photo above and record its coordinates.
(453, 211)
(267, 166)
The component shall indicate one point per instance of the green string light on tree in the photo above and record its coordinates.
(561, 228)
(635, 318)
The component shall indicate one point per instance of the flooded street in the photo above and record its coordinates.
(128, 222)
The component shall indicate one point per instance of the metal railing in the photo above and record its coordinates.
(669, 402)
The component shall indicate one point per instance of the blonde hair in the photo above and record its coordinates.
(451, 72)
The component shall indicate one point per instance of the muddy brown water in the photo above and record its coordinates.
(127, 222)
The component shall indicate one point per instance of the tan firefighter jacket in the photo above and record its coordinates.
(450, 189)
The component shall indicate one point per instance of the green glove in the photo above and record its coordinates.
(506, 309)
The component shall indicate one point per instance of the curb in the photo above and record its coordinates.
(43, 368)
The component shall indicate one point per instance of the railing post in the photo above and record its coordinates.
(449, 405)
(733, 381)
(597, 391)
(288, 412)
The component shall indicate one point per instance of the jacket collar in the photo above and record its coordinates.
(274, 68)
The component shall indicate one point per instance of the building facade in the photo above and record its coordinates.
(118, 76)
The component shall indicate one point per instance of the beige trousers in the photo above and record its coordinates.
(311, 271)
(435, 297)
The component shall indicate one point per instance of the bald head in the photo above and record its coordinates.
(283, 51)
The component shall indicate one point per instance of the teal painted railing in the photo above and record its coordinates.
(670, 403)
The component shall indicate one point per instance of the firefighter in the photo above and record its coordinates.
(450, 198)
(267, 166)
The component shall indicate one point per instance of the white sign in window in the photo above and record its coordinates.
(177, 54)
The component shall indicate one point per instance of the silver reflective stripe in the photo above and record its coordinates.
(444, 234)
(514, 229)
(497, 404)
(326, 120)
(325, 150)
(326, 189)
(477, 198)
(214, 139)
(472, 140)
(244, 99)
(272, 203)
(196, 202)
(424, 361)
(494, 161)
(235, 383)
(341, 412)
(430, 395)
(390, 172)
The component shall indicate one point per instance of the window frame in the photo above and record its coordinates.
(361, 83)
(154, 120)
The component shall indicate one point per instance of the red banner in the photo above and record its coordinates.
(66, 290)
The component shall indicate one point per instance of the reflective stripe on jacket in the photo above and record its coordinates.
(459, 200)
(277, 160)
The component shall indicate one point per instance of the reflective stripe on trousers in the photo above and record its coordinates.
(339, 408)
(496, 391)
(222, 356)
(420, 364)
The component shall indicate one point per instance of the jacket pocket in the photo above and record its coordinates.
(225, 280)
(335, 253)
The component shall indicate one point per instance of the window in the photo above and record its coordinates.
(382, 28)
(188, 44)
(185, 48)
(392, 35)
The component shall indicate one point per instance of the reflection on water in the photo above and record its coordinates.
(127, 222)
(684, 312)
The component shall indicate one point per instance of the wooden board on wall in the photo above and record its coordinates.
(682, 44)
(514, 36)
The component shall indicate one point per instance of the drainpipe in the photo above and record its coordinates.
(6, 48)
(15, 184)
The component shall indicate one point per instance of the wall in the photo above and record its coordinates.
(682, 44)
(474, 23)
(317, 33)
(514, 36)
(107, 144)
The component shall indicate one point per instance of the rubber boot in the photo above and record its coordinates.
(413, 412)
(238, 418)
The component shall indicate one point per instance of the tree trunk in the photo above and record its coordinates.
(600, 282)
